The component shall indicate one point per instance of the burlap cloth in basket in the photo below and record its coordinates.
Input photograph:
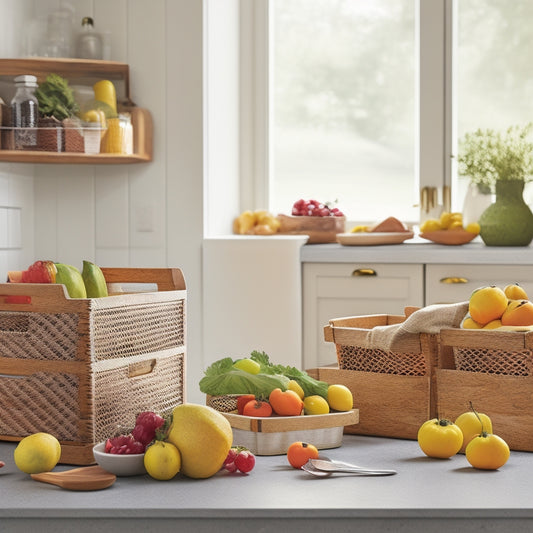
(404, 337)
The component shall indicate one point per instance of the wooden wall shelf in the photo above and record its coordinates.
(89, 71)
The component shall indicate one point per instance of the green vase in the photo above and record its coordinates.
(509, 220)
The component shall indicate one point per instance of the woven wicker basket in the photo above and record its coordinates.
(82, 368)
(392, 390)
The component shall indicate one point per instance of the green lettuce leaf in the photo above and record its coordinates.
(309, 385)
(239, 382)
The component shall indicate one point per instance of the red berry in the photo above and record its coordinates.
(245, 461)
(124, 445)
(2, 464)
(231, 457)
(146, 425)
(231, 467)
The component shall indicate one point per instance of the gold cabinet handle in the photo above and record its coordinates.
(364, 272)
(454, 280)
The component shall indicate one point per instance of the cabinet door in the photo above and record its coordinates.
(455, 283)
(334, 290)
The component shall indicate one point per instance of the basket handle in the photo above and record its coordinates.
(167, 279)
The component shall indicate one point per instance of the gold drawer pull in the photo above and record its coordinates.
(364, 272)
(454, 280)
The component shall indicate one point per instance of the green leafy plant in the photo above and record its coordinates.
(487, 156)
(56, 98)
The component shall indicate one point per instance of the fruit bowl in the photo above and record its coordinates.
(453, 237)
(120, 465)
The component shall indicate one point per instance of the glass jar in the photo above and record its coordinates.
(25, 113)
(89, 44)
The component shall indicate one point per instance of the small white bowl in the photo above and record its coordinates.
(120, 465)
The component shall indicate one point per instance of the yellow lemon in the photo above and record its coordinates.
(473, 227)
(359, 229)
(340, 397)
(162, 460)
(37, 453)
(203, 437)
(315, 405)
(429, 225)
(295, 386)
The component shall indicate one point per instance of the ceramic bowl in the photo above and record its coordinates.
(451, 237)
(120, 465)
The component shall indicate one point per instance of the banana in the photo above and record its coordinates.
(70, 277)
(94, 280)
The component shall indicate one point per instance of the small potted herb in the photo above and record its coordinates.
(56, 106)
(501, 162)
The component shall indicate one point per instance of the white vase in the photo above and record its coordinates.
(477, 199)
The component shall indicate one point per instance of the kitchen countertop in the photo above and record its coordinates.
(425, 495)
(418, 251)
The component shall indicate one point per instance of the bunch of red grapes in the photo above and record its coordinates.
(314, 208)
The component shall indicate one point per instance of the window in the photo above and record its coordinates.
(343, 105)
(366, 99)
(494, 75)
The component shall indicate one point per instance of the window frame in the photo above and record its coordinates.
(434, 39)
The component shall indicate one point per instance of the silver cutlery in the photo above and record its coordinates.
(323, 468)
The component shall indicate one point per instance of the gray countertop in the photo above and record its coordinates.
(426, 494)
(418, 251)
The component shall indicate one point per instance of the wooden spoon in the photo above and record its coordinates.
(84, 478)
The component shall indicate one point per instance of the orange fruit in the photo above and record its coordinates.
(515, 292)
(469, 323)
(299, 453)
(518, 313)
(493, 324)
(486, 304)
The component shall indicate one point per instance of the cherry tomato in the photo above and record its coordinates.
(440, 438)
(299, 453)
(487, 451)
(245, 461)
(242, 401)
(257, 408)
(239, 458)
(286, 403)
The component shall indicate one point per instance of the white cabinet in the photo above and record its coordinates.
(333, 290)
(454, 283)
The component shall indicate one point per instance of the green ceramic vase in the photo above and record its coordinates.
(509, 220)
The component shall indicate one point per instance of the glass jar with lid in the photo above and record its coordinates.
(25, 112)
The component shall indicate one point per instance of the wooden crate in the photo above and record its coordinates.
(81, 369)
(493, 370)
(394, 392)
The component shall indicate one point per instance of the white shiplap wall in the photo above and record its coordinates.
(122, 215)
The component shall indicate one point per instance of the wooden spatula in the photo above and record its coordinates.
(84, 478)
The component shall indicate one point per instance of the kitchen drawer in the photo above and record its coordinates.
(455, 283)
(333, 290)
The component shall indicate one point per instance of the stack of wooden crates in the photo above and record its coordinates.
(82, 369)
(396, 392)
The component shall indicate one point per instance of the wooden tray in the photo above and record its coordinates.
(273, 435)
(319, 229)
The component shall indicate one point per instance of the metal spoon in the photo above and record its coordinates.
(322, 468)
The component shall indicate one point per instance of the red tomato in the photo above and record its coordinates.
(257, 408)
(242, 401)
(286, 403)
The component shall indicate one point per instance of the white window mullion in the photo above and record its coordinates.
(254, 102)
(434, 109)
